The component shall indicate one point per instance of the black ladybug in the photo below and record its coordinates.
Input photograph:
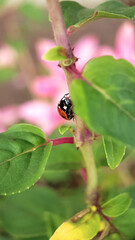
(65, 108)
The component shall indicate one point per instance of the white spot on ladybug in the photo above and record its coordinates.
(64, 107)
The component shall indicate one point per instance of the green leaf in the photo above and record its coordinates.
(117, 205)
(70, 199)
(131, 191)
(114, 152)
(126, 224)
(7, 74)
(113, 236)
(99, 153)
(35, 238)
(32, 12)
(5, 238)
(63, 129)
(55, 54)
(64, 157)
(85, 228)
(57, 176)
(34, 213)
(22, 157)
(106, 102)
(19, 45)
(76, 15)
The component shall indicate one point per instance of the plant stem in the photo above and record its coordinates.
(82, 134)
(87, 153)
(58, 141)
(63, 140)
(58, 25)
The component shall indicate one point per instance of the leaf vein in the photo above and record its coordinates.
(111, 100)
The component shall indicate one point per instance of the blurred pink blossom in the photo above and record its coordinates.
(54, 86)
(88, 46)
(85, 49)
(35, 112)
(41, 114)
(125, 42)
(7, 56)
(8, 117)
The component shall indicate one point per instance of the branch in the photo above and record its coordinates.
(91, 190)
(58, 25)
(82, 134)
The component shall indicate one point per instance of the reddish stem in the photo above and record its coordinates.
(58, 141)
(58, 25)
(63, 140)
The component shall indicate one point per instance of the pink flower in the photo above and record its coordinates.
(36, 112)
(41, 114)
(53, 86)
(8, 117)
(7, 56)
(88, 46)
(125, 42)
(85, 49)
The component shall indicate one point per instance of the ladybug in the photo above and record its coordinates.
(65, 108)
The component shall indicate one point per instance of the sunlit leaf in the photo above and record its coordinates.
(55, 54)
(85, 228)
